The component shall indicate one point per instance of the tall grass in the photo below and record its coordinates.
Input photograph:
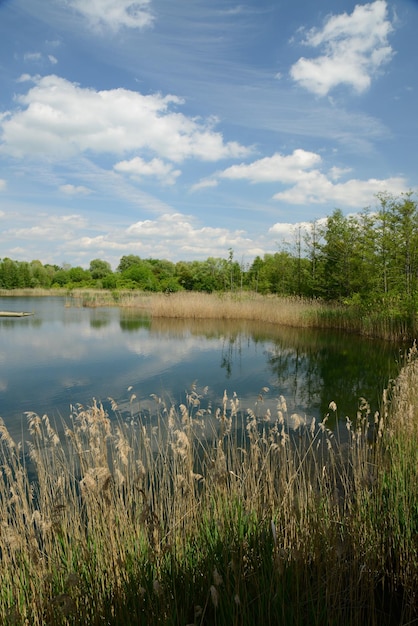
(249, 306)
(287, 311)
(205, 515)
(379, 322)
(33, 292)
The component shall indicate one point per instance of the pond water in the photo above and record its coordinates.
(63, 356)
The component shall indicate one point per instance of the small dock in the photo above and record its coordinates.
(14, 314)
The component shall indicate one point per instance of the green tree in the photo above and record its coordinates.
(141, 276)
(337, 256)
(40, 276)
(8, 274)
(79, 275)
(99, 269)
(313, 239)
(127, 261)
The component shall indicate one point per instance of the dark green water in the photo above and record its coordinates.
(62, 356)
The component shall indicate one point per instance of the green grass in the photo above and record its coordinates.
(212, 516)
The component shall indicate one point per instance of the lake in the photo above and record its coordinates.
(63, 356)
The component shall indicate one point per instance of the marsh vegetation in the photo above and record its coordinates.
(213, 515)
(365, 266)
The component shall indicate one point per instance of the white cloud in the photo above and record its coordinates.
(38, 58)
(24, 78)
(308, 184)
(2, 184)
(173, 236)
(205, 183)
(32, 56)
(317, 188)
(115, 14)
(61, 119)
(138, 168)
(49, 228)
(355, 48)
(286, 230)
(286, 169)
(181, 229)
(73, 190)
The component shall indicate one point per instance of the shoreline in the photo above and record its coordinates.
(293, 311)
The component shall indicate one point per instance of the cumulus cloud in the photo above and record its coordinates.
(182, 229)
(286, 229)
(317, 188)
(355, 46)
(49, 228)
(275, 168)
(173, 236)
(74, 190)
(138, 168)
(61, 119)
(306, 184)
(115, 14)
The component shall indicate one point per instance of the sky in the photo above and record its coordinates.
(182, 130)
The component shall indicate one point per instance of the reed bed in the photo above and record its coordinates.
(36, 292)
(194, 514)
(288, 311)
(249, 306)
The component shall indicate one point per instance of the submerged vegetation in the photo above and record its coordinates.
(213, 515)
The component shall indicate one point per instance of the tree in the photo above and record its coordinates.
(78, 275)
(8, 274)
(313, 240)
(141, 275)
(99, 269)
(336, 252)
(41, 276)
(127, 261)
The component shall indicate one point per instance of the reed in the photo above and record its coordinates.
(249, 306)
(269, 309)
(194, 514)
(287, 311)
(36, 292)
(246, 306)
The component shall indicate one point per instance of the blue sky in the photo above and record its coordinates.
(181, 129)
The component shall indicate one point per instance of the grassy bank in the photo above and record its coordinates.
(211, 515)
(380, 321)
(197, 305)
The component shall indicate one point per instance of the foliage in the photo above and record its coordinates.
(365, 261)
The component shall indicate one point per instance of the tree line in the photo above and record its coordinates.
(362, 258)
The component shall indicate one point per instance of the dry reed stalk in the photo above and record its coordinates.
(33, 291)
(271, 309)
(114, 502)
(403, 400)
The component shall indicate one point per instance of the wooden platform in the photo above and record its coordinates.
(14, 314)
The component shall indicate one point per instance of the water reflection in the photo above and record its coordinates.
(64, 356)
(311, 368)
